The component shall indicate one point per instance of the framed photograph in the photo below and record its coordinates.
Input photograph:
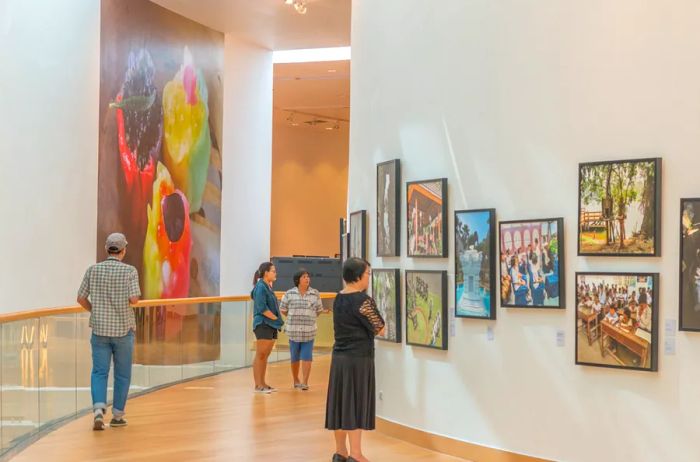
(426, 309)
(475, 263)
(358, 234)
(689, 306)
(619, 204)
(617, 320)
(389, 209)
(532, 263)
(426, 205)
(385, 291)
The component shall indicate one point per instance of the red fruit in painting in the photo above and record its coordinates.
(139, 135)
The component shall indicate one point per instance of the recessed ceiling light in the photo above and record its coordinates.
(331, 70)
(288, 2)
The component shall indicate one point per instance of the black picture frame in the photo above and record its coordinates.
(589, 219)
(442, 277)
(390, 249)
(557, 262)
(460, 263)
(689, 266)
(358, 224)
(422, 185)
(599, 338)
(395, 273)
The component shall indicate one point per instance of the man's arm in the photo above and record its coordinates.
(84, 292)
(85, 303)
(134, 289)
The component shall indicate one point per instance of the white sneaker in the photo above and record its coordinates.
(263, 390)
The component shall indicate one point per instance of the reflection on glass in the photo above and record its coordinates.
(57, 367)
(20, 377)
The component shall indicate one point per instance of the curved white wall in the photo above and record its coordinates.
(505, 99)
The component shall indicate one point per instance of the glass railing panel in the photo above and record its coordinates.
(83, 360)
(158, 346)
(20, 380)
(57, 367)
(201, 339)
(233, 352)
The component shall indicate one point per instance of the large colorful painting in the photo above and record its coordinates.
(426, 309)
(475, 264)
(617, 320)
(532, 263)
(426, 205)
(385, 291)
(619, 208)
(388, 207)
(160, 168)
(689, 306)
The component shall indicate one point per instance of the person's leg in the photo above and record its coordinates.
(355, 437)
(294, 352)
(263, 348)
(340, 446)
(101, 360)
(123, 348)
(307, 350)
(264, 364)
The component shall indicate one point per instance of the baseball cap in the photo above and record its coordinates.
(116, 242)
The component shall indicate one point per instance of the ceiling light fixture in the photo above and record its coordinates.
(291, 120)
(299, 5)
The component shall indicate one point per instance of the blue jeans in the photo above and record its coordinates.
(301, 351)
(103, 349)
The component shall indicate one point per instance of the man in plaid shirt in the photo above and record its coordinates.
(107, 291)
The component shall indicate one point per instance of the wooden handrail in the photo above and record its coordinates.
(43, 312)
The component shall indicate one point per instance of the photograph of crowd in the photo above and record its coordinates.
(427, 218)
(475, 264)
(689, 316)
(358, 234)
(385, 291)
(426, 309)
(388, 208)
(531, 257)
(619, 208)
(616, 320)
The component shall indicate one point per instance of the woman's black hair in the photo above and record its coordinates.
(354, 268)
(298, 275)
(262, 269)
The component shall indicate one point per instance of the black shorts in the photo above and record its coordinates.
(265, 332)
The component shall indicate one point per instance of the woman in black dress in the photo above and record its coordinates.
(351, 400)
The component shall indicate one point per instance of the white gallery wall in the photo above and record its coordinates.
(49, 84)
(49, 87)
(505, 99)
(247, 147)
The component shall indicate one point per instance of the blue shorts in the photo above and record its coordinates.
(301, 350)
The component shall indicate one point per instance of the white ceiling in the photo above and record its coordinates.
(311, 92)
(270, 23)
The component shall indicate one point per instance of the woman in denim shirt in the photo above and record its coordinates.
(266, 322)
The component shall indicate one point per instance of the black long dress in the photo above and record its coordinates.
(350, 404)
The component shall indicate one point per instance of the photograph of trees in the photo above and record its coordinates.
(619, 208)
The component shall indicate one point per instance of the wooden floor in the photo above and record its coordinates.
(220, 419)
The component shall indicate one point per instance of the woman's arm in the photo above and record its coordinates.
(260, 305)
(371, 315)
